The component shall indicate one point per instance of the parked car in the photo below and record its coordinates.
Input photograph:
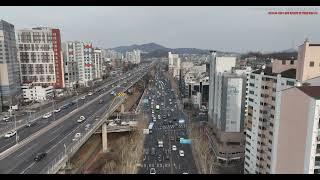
(40, 156)
(10, 134)
(90, 94)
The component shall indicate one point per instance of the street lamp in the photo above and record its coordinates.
(15, 127)
(65, 148)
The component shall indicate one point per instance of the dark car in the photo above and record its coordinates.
(40, 156)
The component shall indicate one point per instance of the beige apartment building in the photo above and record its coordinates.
(297, 148)
(308, 61)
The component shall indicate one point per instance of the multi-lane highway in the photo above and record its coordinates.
(56, 139)
(166, 159)
(24, 119)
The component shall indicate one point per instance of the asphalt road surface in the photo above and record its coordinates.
(54, 140)
(169, 130)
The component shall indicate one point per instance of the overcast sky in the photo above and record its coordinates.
(238, 29)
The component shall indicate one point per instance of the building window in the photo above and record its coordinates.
(284, 62)
(290, 83)
(291, 62)
(252, 77)
(311, 64)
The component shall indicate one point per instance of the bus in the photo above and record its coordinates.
(157, 107)
(150, 127)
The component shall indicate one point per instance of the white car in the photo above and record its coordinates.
(82, 118)
(10, 134)
(90, 94)
(76, 136)
(57, 110)
(6, 118)
(47, 115)
(174, 148)
(83, 97)
(181, 153)
(152, 171)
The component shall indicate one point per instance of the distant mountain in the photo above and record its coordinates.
(156, 50)
(146, 48)
(291, 50)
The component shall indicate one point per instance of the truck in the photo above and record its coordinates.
(157, 107)
(150, 127)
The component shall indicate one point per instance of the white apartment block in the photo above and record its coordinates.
(98, 63)
(262, 119)
(81, 62)
(40, 56)
(134, 56)
(174, 64)
(36, 93)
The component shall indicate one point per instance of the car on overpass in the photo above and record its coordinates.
(10, 134)
(40, 156)
(6, 118)
(81, 119)
(47, 115)
(57, 110)
(152, 171)
(181, 153)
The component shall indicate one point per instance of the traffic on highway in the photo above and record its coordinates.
(167, 149)
(43, 140)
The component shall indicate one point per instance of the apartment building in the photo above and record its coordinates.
(297, 145)
(9, 66)
(174, 65)
(264, 98)
(40, 56)
(308, 65)
(134, 56)
(79, 62)
(98, 63)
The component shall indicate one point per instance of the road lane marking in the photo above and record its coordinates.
(28, 167)
(27, 149)
(56, 130)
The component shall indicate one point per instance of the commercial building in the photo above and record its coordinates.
(9, 66)
(40, 56)
(226, 110)
(36, 93)
(297, 141)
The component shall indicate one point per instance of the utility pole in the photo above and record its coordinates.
(53, 113)
(15, 127)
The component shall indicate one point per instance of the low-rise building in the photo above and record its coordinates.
(36, 93)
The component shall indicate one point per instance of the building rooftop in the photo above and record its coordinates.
(312, 91)
(290, 73)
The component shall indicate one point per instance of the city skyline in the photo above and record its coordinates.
(240, 29)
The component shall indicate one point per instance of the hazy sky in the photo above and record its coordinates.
(237, 29)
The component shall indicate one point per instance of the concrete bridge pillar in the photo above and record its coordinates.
(104, 138)
(122, 108)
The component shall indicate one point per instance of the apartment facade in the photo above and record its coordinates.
(98, 63)
(9, 66)
(80, 63)
(262, 119)
(40, 56)
(134, 56)
(308, 65)
(298, 146)
(174, 65)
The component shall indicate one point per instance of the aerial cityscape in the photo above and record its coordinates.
(159, 90)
